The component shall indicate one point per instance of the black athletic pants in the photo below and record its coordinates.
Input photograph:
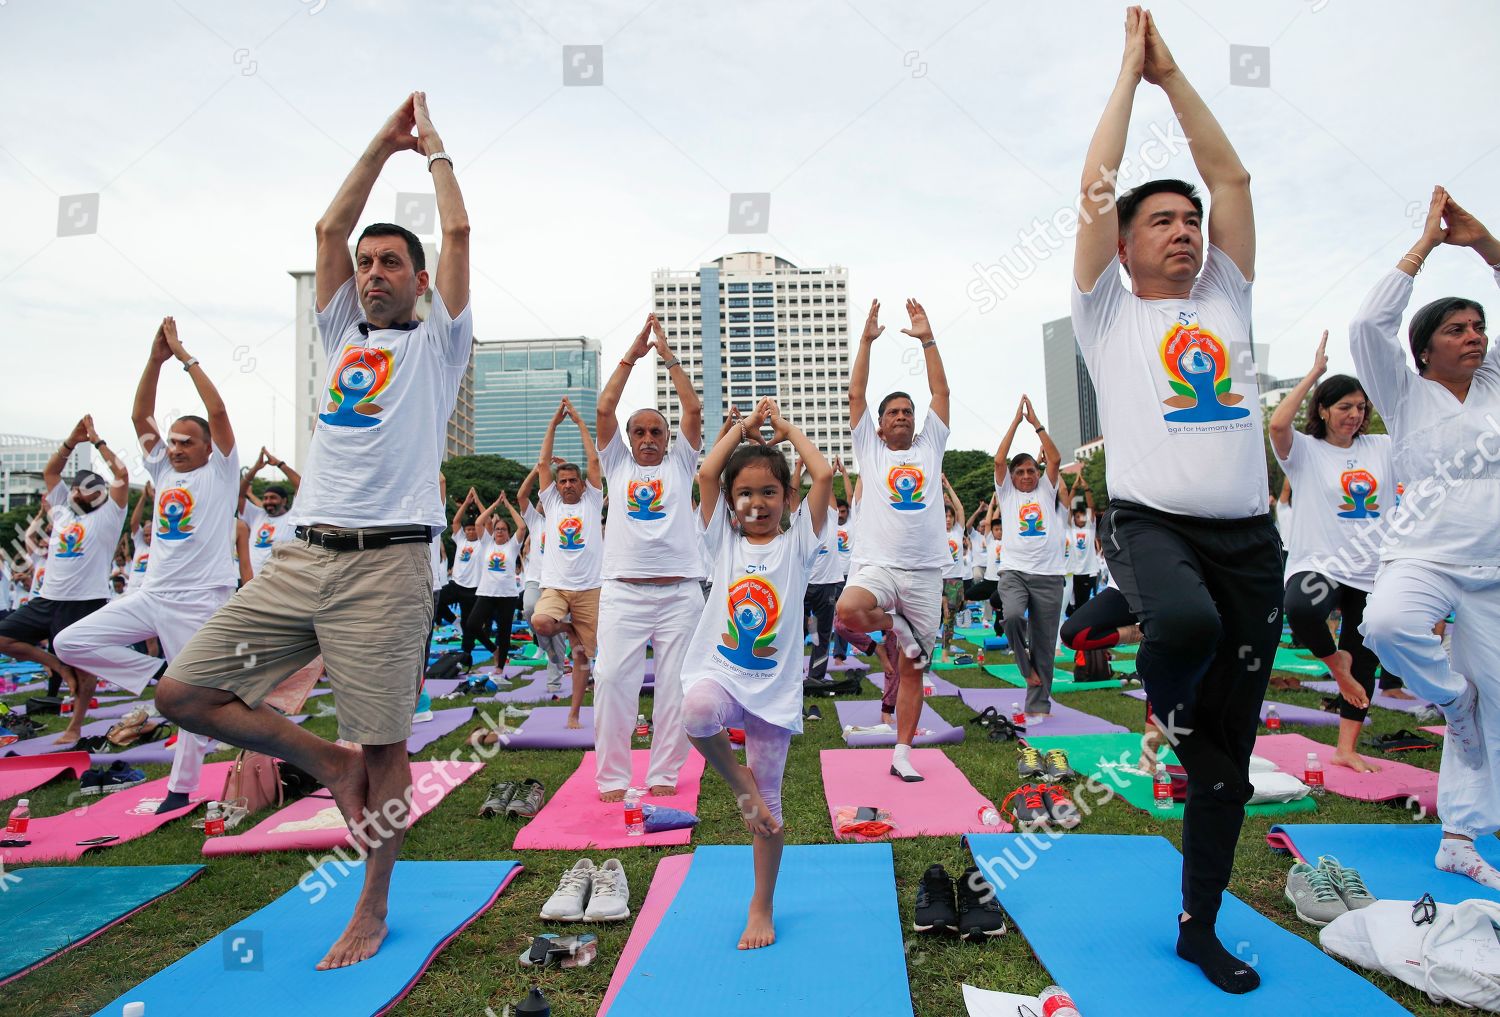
(1083, 591)
(819, 602)
(497, 611)
(1310, 599)
(1208, 593)
(1096, 625)
(987, 589)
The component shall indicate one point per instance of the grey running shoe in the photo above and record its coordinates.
(499, 797)
(528, 799)
(1313, 894)
(1350, 887)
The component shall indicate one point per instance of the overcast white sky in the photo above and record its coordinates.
(910, 143)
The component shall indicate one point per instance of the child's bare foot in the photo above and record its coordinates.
(759, 930)
(758, 818)
(360, 940)
(612, 796)
(1354, 761)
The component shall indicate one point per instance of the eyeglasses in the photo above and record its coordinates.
(1424, 910)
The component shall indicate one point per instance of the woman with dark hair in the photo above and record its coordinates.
(1333, 545)
(1442, 549)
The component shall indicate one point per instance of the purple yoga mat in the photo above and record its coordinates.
(1063, 720)
(534, 691)
(851, 663)
(43, 744)
(158, 752)
(547, 728)
(866, 713)
(940, 685)
(105, 702)
(443, 722)
(511, 671)
(1416, 707)
(1290, 713)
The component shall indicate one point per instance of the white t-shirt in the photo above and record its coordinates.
(497, 576)
(1034, 522)
(192, 544)
(901, 520)
(439, 566)
(466, 560)
(749, 636)
(1444, 451)
(1284, 516)
(846, 539)
(377, 446)
(828, 565)
(652, 530)
(994, 554)
(266, 531)
(135, 574)
(82, 548)
(958, 567)
(1342, 496)
(1178, 401)
(576, 556)
(1083, 555)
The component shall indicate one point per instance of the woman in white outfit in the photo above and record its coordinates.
(1442, 549)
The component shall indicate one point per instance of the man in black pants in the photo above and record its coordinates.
(1187, 536)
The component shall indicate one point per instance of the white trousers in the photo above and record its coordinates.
(1410, 598)
(630, 615)
(101, 644)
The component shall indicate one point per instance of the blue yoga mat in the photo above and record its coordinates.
(1100, 913)
(45, 911)
(265, 964)
(1394, 859)
(692, 965)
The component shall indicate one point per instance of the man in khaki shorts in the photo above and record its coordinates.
(571, 579)
(356, 584)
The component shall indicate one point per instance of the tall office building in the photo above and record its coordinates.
(750, 325)
(311, 397)
(1072, 407)
(22, 460)
(517, 386)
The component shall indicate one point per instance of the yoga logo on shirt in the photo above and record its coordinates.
(70, 541)
(843, 542)
(1081, 539)
(1359, 495)
(754, 613)
(1197, 368)
(644, 500)
(264, 535)
(953, 548)
(497, 561)
(1031, 520)
(569, 534)
(362, 374)
(140, 563)
(174, 514)
(1400, 490)
(466, 552)
(905, 484)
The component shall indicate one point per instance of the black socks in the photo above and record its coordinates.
(174, 801)
(1197, 942)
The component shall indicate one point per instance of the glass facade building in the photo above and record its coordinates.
(517, 386)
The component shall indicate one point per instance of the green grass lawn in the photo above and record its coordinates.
(479, 969)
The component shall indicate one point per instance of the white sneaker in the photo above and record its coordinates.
(567, 903)
(1032, 719)
(611, 899)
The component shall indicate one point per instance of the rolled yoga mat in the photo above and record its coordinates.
(866, 713)
(547, 728)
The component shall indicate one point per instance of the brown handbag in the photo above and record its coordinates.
(256, 778)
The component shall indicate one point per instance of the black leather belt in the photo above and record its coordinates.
(338, 538)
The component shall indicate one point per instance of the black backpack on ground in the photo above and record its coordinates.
(1095, 667)
(449, 665)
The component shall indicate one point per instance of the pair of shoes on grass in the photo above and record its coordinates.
(1035, 806)
(1322, 892)
(590, 893)
(515, 799)
(966, 906)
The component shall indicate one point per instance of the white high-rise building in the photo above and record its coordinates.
(311, 398)
(750, 325)
(22, 460)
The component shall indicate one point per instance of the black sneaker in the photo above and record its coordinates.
(498, 799)
(980, 915)
(937, 910)
(812, 713)
(92, 782)
(1055, 767)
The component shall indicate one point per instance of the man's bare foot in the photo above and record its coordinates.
(69, 736)
(663, 790)
(484, 736)
(1354, 761)
(1130, 634)
(612, 796)
(573, 724)
(361, 938)
(1398, 694)
(349, 786)
(759, 931)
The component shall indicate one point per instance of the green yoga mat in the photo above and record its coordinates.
(1010, 674)
(976, 634)
(1124, 665)
(1296, 663)
(1110, 758)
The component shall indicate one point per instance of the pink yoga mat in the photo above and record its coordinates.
(20, 774)
(431, 783)
(1063, 720)
(1437, 729)
(547, 728)
(942, 804)
(443, 722)
(670, 872)
(574, 819)
(866, 713)
(1395, 780)
(126, 814)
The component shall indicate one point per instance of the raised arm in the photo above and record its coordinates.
(1002, 454)
(458, 513)
(143, 411)
(842, 470)
(483, 521)
(119, 488)
(953, 499)
(247, 478)
(517, 524)
(453, 260)
(1088, 493)
(1049, 447)
(213, 403)
(605, 421)
(591, 453)
(1098, 223)
(937, 378)
(1285, 414)
(682, 383)
(528, 482)
(796, 498)
(146, 500)
(543, 471)
(820, 494)
(52, 471)
(242, 550)
(711, 470)
(859, 373)
(983, 506)
(295, 479)
(1231, 219)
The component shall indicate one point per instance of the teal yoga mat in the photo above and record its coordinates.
(692, 965)
(265, 964)
(1062, 681)
(1101, 912)
(48, 911)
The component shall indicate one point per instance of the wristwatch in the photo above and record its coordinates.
(435, 156)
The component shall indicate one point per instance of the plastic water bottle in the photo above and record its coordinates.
(1057, 1003)
(635, 816)
(534, 1005)
(1017, 715)
(20, 819)
(642, 729)
(1273, 719)
(1161, 788)
(927, 687)
(1313, 775)
(980, 658)
(213, 826)
(988, 816)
